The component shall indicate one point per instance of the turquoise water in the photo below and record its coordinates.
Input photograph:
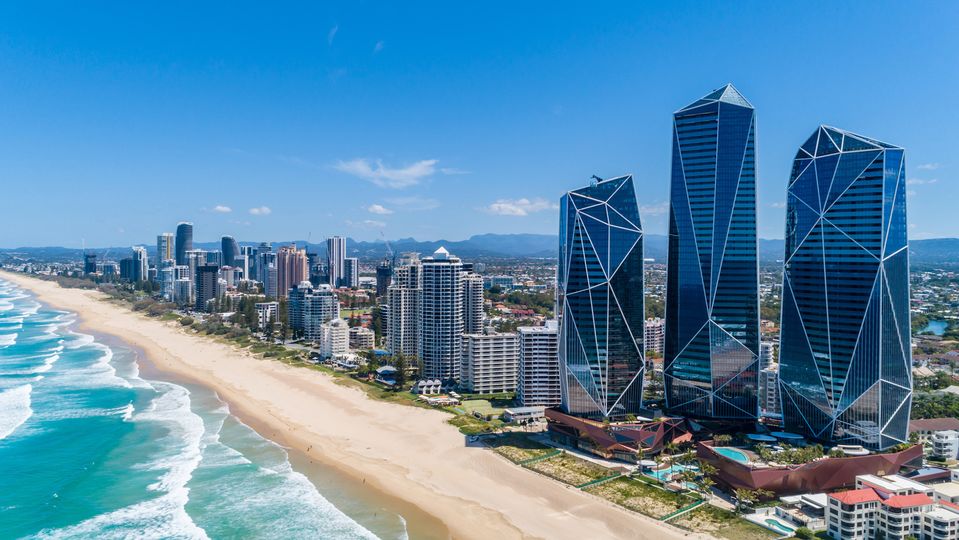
(779, 527)
(89, 449)
(664, 475)
(732, 453)
(936, 328)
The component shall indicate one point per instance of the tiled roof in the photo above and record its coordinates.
(856, 496)
(934, 424)
(907, 501)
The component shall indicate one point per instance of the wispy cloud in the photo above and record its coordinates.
(378, 47)
(928, 166)
(778, 205)
(920, 181)
(378, 209)
(520, 207)
(386, 176)
(414, 202)
(332, 34)
(366, 223)
(260, 211)
(658, 209)
(451, 171)
(222, 209)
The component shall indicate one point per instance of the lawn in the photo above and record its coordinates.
(641, 497)
(469, 425)
(518, 446)
(482, 406)
(721, 524)
(570, 469)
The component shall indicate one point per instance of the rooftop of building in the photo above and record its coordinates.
(856, 496)
(948, 489)
(908, 501)
(891, 483)
(934, 424)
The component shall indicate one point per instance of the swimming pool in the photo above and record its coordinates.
(665, 475)
(777, 526)
(732, 453)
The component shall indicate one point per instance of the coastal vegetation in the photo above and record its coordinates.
(721, 524)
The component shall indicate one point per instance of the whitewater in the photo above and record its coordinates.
(90, 449)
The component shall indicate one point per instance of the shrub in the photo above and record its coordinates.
(186, 321)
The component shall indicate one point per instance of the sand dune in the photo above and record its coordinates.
(407, 453)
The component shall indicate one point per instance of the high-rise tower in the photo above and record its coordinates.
(184, 241)
(845, 357)
(712, 287)
(335, 254)
(600, 300)
(229, 249)
(441, 311)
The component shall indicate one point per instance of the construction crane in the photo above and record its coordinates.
(389, 250)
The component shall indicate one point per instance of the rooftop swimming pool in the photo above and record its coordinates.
(734, 454)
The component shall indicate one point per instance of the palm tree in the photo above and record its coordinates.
(744, 498)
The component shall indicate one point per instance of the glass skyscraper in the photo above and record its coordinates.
(845, 358)
(184, 241)
(711, 348)
(600, 300)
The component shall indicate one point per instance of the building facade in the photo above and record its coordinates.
(335, 253)
(165, 250)
(711, 365)
(351, 272)
(230, 249)
(489, 363)
(845, 356)
(403, 313)
(384, 276)
(291, 268)
(362, 338)
(207, 283)
(441, 315)
(654, 332)
(538, 381)
(141, 264)
(334, 338)
(600, 304)
(473, 313)
(308, 308)
(184, 241)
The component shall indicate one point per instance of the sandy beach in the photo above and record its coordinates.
(404, 453)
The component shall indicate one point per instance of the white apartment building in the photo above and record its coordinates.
(769, 389)
(266, 312)
(362, 338)
(654, 334)
(538, 372)
(945, 444)
(489, 363)
(334, 338)
(309, 307)
(891, 508)
(403, 316)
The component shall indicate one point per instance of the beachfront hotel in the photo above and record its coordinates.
(600, 300)
(845, 354)
(711, 346)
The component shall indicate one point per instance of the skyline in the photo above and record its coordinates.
(326, 121)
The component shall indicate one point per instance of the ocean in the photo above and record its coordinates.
(90, 449)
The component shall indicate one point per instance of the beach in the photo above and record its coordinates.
(409, 458)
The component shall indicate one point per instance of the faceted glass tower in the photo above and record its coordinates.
(600, 300)
(845, 358)
(712, 286)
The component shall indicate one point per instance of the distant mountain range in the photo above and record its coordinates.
(932, 251)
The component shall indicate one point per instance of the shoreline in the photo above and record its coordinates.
(406, 459)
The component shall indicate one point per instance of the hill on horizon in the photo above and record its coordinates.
(523, 245)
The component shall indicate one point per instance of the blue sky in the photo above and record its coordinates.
(435, 120)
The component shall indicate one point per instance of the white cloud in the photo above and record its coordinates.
(519, 207)
(658, 209)
(920, 181)
(332, 34)
(451, 171)
(374, 223)
(778, 205)
(378, 47)
(414, 202)
(385, 176)
(378, 209)
(928, 166)
(222, 209)
(261, 211)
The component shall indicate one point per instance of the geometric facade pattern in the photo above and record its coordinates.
(845, 356)
(711, 350)
(600, 301)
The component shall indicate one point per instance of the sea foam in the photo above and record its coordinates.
(14, 409)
